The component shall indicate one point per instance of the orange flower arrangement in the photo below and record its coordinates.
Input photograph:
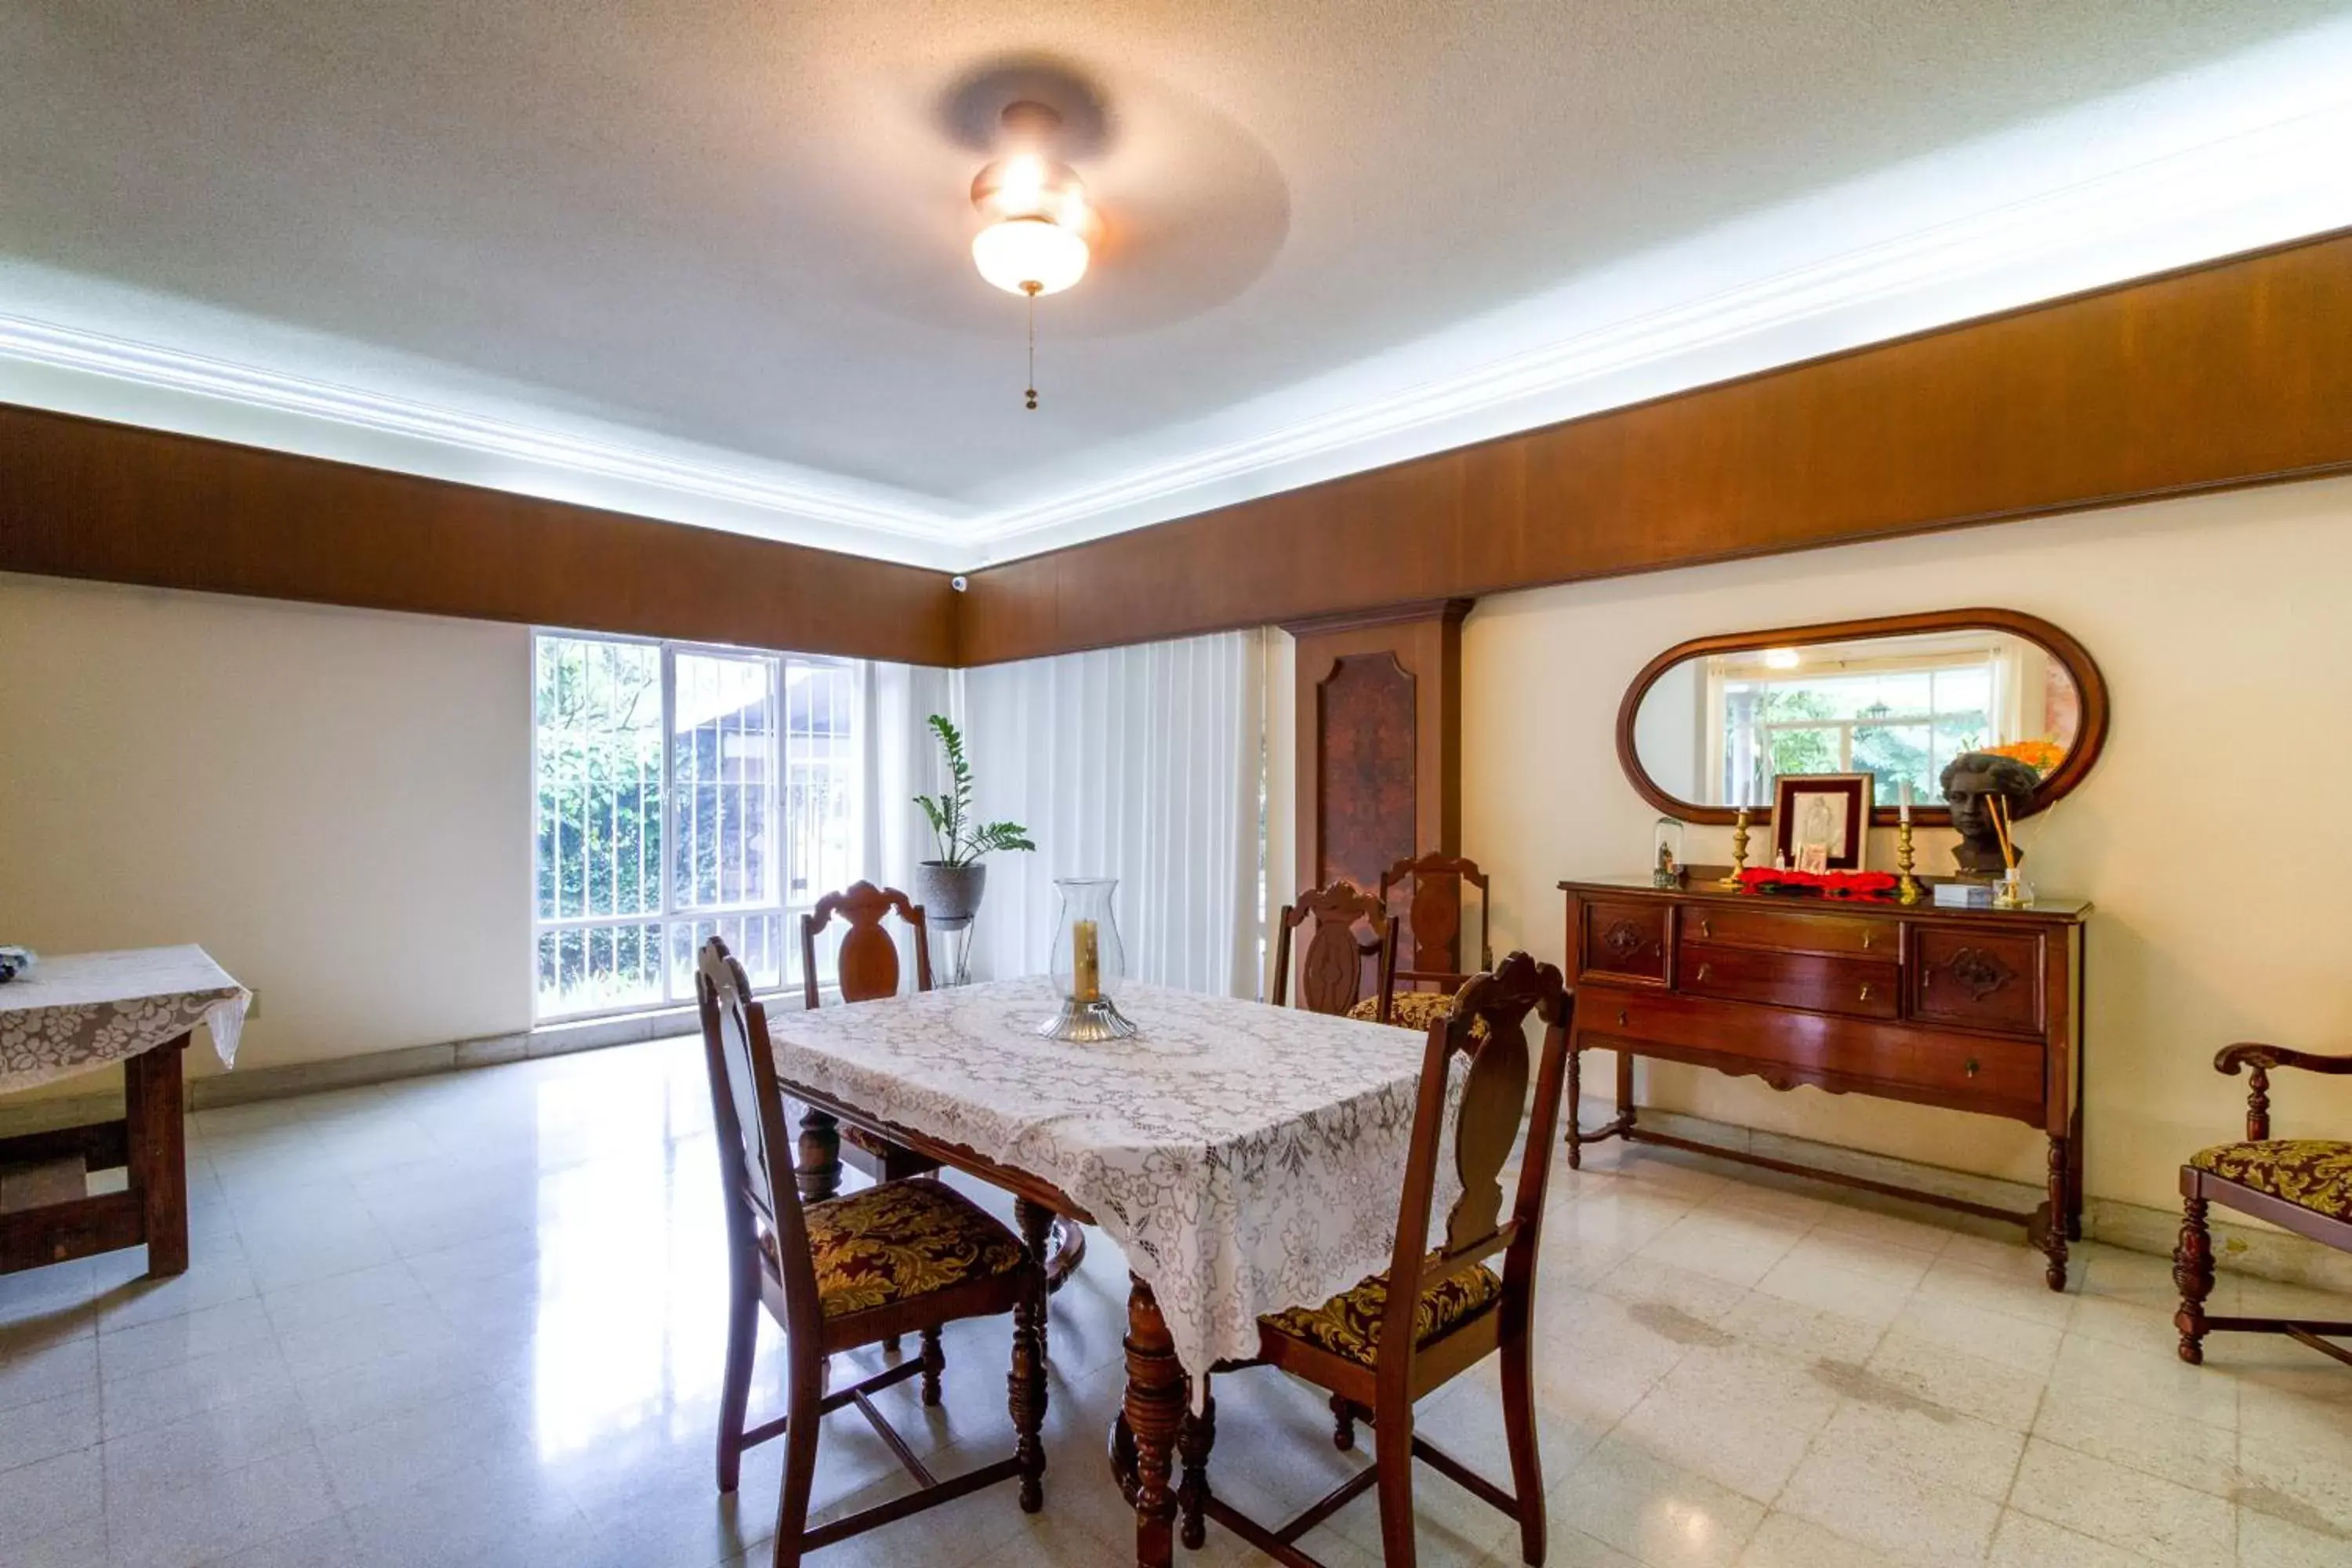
(2040, 755)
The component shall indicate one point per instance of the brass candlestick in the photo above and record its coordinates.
(1738, 851)
(1909, 886)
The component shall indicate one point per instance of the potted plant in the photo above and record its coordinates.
(949, 888)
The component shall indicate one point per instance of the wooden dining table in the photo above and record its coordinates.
(79, 1012)
(1246, 1158)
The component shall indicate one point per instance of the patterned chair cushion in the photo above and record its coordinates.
(899, 1240)
(1350, 1324)
(1415, 1010)
(2314, 1173)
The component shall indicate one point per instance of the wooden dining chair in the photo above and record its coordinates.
(1428, 917)
(1331, 965)
(866, 969)
(1425, 896)
(1378, 1351)
(2300, 1184)
(901, 1258)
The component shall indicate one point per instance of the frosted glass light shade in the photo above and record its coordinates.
(1021, 251)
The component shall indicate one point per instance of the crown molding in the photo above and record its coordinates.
(2277, 184)
(797, 506)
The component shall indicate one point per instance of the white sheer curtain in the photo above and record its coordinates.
(902, 760)
(1143, 764)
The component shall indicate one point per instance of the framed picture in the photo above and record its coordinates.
(1821, 822)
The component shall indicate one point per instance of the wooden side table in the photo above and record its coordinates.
(84, 1011)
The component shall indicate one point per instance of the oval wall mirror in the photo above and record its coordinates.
(1708, 724)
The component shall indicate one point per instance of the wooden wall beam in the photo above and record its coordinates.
(80, 498)
(2227, 375)
(2222, 375)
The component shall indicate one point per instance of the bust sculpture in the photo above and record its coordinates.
(1970, 783)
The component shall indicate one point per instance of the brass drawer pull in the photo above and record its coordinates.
(1706, 927)
(1972, 1068)
(1705, 969)
(1620, 1017)
(1866, 990)
(1868, 938)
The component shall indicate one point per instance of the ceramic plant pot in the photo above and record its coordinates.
(950, 894)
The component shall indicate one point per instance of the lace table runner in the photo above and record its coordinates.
(83, 1010)
(1246, 1158)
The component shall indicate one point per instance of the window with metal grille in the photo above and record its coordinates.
(683, 792)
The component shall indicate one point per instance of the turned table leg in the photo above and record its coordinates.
(818, 1170)
(1038, 1227)
(1143, 1438)
(2053, 1229)
(155, 1118)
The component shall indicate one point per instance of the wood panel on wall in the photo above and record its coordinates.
(1380, 740)
(2226, 374)
(81, 497)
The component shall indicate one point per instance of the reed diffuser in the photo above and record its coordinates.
(2012, 893)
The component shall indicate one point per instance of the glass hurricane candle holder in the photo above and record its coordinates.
(1089, 963)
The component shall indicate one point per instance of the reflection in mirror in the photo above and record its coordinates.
(1715, 729)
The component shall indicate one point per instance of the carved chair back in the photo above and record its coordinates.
(1352, 931)
(867, 962)
(1425, 895)
(755, 1158)
(1485, 1125)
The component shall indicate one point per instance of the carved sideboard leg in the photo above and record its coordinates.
(1575, 1098)
(819, 1168)
(2192, 1271)
(1625, 1093)
(2053, 1229)
(2074, 1175)
(1154, 1410)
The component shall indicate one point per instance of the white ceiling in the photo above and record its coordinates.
(707, 261)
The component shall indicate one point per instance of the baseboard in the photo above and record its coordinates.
(2258, 1250)
(246, 1086)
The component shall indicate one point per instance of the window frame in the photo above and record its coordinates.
(670, 914)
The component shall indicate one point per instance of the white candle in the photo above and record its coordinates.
(1906, 802)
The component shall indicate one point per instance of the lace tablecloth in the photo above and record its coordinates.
(83, 1010)
(1246, 1158)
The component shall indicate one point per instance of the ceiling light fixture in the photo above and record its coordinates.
(1037, 240)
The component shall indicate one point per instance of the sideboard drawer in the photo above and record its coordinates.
(1785, 1048)
(1859, 987)
(1625, 939)
(1983, 979)
(1789, 931)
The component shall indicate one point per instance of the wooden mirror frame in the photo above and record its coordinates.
(2080, 666)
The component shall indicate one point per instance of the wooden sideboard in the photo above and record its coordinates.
(1977, 1010)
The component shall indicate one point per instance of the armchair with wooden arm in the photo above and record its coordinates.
(2300, 1184)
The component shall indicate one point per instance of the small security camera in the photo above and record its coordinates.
(959, 582)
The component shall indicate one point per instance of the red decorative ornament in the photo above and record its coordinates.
(1824, 884)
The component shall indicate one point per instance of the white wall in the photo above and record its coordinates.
(336, 804)
(2213, 835)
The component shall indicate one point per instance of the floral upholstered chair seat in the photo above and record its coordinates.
(1349, 1324)
(1415, 1010)
(2314, 1173)
(899, 1240)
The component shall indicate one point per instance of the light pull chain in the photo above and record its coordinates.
(1031, 290)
